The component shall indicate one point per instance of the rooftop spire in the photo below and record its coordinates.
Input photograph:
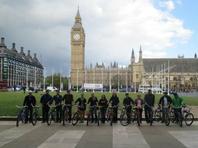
(132, 57)
(78, 18)
(140, 54)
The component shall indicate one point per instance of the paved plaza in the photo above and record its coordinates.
(104, 136)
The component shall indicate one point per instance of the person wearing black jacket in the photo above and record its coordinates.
(114, 101)
(45, 101)
(93, 102)
(68, 100)
(29, 101)
(57, 99)
(81, 106)
(103, 104)
(128, 102)
(165, 102)
(149, 100)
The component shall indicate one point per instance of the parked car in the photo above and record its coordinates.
(51, 88)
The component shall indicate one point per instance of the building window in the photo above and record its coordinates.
(137, 76)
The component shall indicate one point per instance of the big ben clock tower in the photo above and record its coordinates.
(77, 52)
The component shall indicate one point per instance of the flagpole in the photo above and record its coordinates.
(60, 81)
(102, 79)
(77, 81)
(126, 80)
(118, 80)
(168, 77)
(52, 79)
(27, 78)
(110, 80)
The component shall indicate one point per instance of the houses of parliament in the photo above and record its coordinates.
(180, 74)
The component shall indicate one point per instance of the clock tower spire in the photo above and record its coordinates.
(77, 51)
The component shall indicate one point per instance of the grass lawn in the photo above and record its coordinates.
(9, 100)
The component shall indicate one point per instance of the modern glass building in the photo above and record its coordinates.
(18, 68)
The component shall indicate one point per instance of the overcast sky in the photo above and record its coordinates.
(112, 27)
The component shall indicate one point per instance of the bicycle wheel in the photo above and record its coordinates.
(167, 119)
(34, 119)
(172, 116)
(75, 118)
(50, 118)
(189, 119)
(157, 116)
(124, 119)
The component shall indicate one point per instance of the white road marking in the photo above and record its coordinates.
(11, 134)
(63, 139)
(187, 138)
(127, 137)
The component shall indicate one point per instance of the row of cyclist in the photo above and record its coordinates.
(59, 109)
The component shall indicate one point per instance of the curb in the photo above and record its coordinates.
(13, 118)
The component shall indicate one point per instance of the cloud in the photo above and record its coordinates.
(168, 4)
(112, 29)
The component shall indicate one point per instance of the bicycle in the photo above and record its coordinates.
(166, 113)
(179, 119)
(125, 117)
(187, 115)
(93, 110)
(158, 114)
(110, 114)
(78, 115)
(21, 117)
(65, 114)
(35, 115)
(51, 114)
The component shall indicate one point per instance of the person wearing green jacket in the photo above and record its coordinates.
(177, 105)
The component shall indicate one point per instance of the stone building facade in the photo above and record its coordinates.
(180, 73)
(18, 68)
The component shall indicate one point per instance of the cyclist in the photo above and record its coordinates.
(57, 99)
(29, 101)
(45, 101)
(103, 103)
(114, 101)
(165, 102)
(93, 102)
(149, 100)
(139, 105)
(128, 102)
(81, 106)
(68, 99)
(177, 105)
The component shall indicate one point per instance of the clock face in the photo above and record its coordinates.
(76, 36)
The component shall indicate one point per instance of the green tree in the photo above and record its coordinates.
(56, 81)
